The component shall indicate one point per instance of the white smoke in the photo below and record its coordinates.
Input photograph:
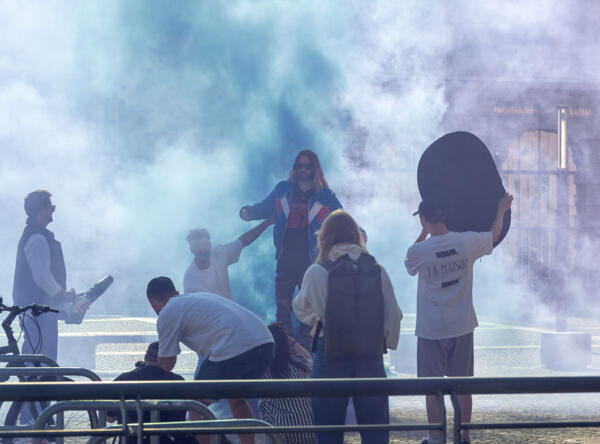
(146, 121)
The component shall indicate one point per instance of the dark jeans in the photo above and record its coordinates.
(285, 285)
(369, 409)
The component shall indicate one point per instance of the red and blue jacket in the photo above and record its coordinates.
(278, 203)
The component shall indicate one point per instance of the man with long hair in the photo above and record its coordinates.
(299, 205)
(351, 296)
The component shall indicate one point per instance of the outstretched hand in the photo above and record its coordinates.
(244, 213)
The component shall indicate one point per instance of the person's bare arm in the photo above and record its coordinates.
(503, 205)
(167, 363)
(299, 350)
(422, 236)
(250, 236)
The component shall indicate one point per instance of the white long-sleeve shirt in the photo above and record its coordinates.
(37, 252)
(309, 305)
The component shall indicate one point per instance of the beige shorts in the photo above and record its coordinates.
(445, 357)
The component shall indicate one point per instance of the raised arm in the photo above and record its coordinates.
(251, 235)
(422, 236)
(503, 205)
(260, 210)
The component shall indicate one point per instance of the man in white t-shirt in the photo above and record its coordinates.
(236, 343)
(208, 270)
(445, 313)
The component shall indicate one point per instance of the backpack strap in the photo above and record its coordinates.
(316, 336)
(367, 261)
(327, 264)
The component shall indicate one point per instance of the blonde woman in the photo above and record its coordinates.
(351, 297)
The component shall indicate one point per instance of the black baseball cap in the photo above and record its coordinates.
(431, 210)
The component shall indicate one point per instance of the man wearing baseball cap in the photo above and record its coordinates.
(445, 314)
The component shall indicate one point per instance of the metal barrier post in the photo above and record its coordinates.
(154, 417)
(123, 417)
(140, 416)
(457, 417)
(442, 408)
(60, 423)
(101, 418)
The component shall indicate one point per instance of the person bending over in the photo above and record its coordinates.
(234, 341)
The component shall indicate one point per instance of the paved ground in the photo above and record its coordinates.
(500, 350)
(511, 350)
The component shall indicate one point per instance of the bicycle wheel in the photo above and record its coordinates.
(25, 413)
(21, 414)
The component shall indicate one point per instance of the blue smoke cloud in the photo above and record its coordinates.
(146, 120)
(183, 115)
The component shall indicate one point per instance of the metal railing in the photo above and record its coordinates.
(46, 372)
(154, 408)
(305, 388)
(189, 427)
(42, 372)
(21, 360)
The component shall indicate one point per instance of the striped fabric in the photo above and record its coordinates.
(289, 411)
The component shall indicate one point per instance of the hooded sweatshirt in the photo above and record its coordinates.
(309, 305)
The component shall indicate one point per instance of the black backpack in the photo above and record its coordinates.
(353, 326)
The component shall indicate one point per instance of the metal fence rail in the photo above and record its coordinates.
(46, 372)
(53, 372)
(168, 428)
(20, 360)
(154, 408)
(309, 388)
(285, 388)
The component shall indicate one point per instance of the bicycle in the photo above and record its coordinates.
(23, 414)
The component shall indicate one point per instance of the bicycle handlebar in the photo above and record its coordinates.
(36, 309)
(13, 312)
